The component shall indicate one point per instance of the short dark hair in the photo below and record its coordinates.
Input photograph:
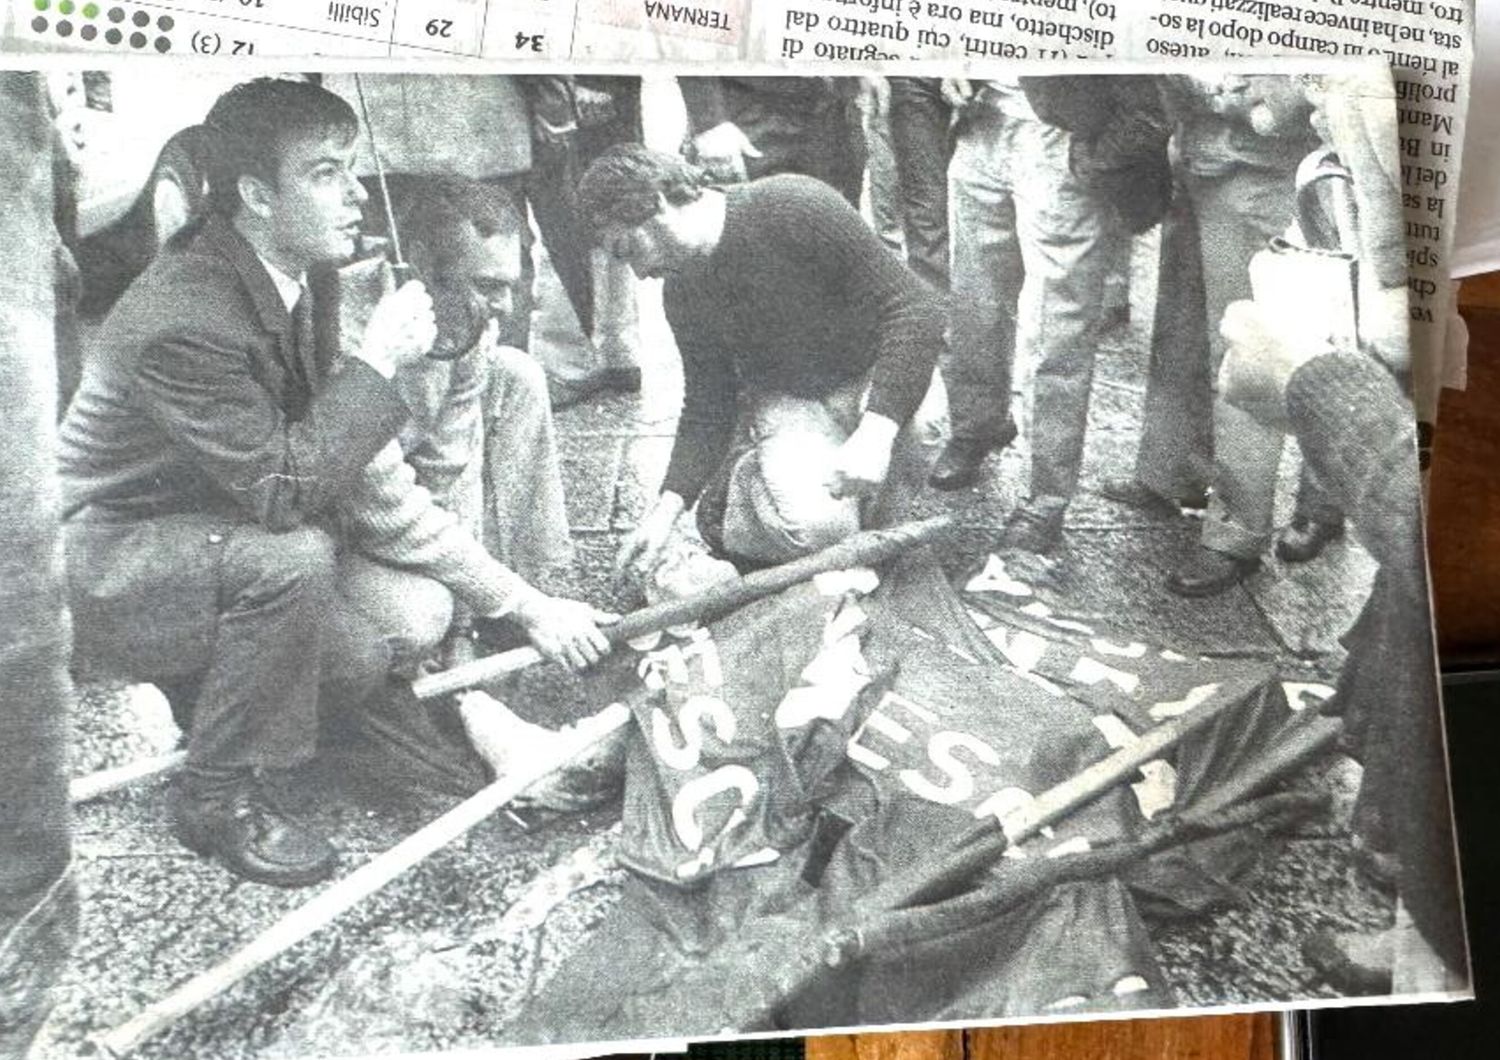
(251, 125)
(434, 211)
(624, 182)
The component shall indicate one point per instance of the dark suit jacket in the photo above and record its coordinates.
(201, 399)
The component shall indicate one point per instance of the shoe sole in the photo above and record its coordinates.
(1197, 592)
(1288, 555)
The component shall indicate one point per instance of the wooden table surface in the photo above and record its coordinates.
(1464, 545)
(1464, 491)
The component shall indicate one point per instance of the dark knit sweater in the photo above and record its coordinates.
(799, 297)
(1358, 431)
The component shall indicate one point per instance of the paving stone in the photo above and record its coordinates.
(590, 470)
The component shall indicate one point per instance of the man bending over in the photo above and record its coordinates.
(789, 310)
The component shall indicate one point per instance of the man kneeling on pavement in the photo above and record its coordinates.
(792, 318)
(242, 526)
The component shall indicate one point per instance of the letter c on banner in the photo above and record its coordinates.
(696, 792)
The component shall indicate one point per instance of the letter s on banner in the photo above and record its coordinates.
(697, 712)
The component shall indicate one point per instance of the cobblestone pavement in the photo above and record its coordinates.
(434, 961)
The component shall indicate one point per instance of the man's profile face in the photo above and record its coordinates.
(488, 270)
(652, 249)
(316, 201)
(476, 282)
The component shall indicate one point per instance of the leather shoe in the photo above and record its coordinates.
(1028, 530)
(1134, 493)
(568, 392)
(227, 815)
(957, 466)
(1208, 572)
(1306, 538)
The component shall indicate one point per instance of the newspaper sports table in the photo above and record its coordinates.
(384, 28)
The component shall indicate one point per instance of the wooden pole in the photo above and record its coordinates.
(92, 786)
(356, 887)
(867, 548)
(978, 848)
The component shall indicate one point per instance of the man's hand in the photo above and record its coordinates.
(595, 107)
(1259, 364)
(565, 631)
(401, 330)
(861, 464)
(957, 92)
(642, 548)
(722, 151)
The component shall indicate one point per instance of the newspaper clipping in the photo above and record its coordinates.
(562, 557)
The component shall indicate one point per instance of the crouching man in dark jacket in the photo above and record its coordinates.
(218, 469)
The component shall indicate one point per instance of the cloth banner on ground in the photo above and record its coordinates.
(796, 757)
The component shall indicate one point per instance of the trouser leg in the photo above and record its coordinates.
(1064, 239)
(257, 706)
(38, 899)
(550, 189)
(1175, 456)
(516, 330)
(819, 139)
(986, 276)
(922, 146)
(882, 183)
(617, 312)
(204, 595)
(1237, 214)
(525, 522)
(1116, 295)
(778, 505)
(394, 616)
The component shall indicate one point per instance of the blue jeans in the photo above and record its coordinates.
(1030, 253)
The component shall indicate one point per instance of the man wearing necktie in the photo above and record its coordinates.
(216, 471)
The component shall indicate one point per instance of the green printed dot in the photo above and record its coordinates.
(42, 5)
(66, 7)
(90, 10)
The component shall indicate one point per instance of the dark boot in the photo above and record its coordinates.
(566, 393)
(1136, 494)
(1207, 573)
(1306, 538)
(957, 466)
(227, 814)
(1029, 530)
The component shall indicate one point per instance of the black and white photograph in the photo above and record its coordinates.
(594, 558)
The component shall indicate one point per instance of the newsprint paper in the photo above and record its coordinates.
(1037, 628)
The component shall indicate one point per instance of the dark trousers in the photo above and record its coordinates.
(548, 190)
(920, 134)
(820, 137)
(260, 624)
(1176, 453)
